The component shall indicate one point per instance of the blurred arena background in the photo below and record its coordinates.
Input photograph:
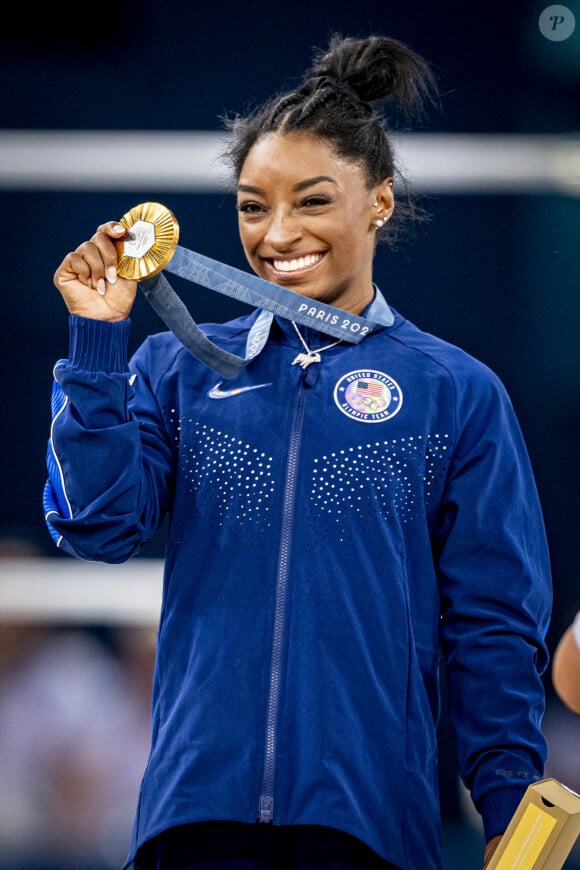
(106, 107)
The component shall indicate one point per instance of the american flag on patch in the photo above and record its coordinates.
(369, 388)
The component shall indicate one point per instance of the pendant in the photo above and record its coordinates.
(305, 359)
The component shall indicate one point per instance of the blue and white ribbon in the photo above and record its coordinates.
(255, 291)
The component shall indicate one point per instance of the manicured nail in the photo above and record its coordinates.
(111, 274)
(118, 228)
(101, 289)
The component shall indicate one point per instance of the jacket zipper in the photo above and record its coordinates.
(266, 806)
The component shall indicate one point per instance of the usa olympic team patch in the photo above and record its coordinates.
(368, 396)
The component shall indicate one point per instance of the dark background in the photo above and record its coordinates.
(496, 274)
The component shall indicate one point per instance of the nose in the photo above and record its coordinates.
(283, 229)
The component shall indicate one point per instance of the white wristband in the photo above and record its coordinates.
(576, 629)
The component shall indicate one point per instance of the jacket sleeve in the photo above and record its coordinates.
(494, 576)
(109, 459)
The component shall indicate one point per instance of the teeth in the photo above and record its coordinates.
(296, 265)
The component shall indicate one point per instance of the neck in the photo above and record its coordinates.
(358, 307)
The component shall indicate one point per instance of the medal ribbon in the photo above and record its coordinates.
(252, 290)
(150, 247)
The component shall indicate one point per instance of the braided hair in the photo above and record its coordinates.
(339, 101)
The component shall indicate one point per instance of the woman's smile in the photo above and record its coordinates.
(296, 267)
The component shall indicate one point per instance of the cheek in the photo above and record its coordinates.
(352, 247)
(248, 238)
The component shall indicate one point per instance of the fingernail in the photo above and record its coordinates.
(119, 228)
(101, 289)
(111, 274)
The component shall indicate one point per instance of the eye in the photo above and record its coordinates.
(317, 199)
(250, 207)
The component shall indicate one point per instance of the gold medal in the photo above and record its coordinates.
(150, 241)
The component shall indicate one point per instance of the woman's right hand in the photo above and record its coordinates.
(87, 278)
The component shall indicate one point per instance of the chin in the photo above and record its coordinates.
(304, 289)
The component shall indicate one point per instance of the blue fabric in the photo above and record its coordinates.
(333, 532)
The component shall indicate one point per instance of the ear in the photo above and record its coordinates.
(384, 202)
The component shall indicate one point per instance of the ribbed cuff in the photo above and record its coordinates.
(97, 345)
(497, 809)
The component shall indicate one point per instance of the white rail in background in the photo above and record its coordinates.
(97, 160)
(70, 591)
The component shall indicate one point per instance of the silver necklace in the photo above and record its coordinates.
(311, 356)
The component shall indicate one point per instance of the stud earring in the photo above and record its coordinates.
(379, 223)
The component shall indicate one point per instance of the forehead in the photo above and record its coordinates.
(289, 158)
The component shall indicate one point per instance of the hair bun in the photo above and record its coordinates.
(378, 68)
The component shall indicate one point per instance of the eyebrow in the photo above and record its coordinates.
(302, 185)
(308, 182)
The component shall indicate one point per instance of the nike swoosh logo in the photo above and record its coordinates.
(217, 393)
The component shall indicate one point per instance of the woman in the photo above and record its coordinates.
(340, 518)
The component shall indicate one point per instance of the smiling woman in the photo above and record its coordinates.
(345, 517)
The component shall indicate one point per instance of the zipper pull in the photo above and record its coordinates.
(310, 375)
(266, 809)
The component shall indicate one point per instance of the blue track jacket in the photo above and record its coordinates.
(333, 532)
